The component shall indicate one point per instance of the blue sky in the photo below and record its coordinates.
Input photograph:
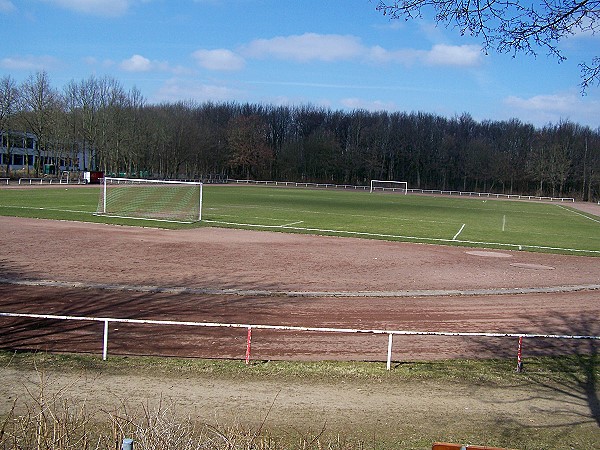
(339, 54)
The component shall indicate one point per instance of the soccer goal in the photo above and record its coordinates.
(389, 186)
(166, 201)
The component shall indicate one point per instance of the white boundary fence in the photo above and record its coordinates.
(492, 195)
(43, 181)
(301, 184)
(408, 191)
(348, 187)
(107, 320)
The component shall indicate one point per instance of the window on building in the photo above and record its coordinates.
(16, 141)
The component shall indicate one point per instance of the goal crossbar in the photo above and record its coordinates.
(156, 200)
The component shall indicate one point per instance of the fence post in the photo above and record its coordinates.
(519, 355)
(389, 354)
(105, 342)
(248, 341)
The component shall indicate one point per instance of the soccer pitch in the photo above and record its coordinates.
(475, 222)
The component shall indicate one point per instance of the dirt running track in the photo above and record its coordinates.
(251, 277)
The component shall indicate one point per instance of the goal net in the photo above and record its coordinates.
(167, 201)
(400, 187)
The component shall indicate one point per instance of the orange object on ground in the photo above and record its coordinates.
(446, 446)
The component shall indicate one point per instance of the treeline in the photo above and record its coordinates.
(301, 143)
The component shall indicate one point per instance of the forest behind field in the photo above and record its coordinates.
(128, 135)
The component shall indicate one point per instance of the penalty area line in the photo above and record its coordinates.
(579, 214)
(290, 224)
(459, 231)
(41, 208)
(403, 237)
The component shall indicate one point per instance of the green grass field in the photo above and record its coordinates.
(487, 223)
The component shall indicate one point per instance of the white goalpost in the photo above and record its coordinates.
(160, 200)
(389, 186)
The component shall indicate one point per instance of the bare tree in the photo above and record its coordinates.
(512, 26)
(247, 139)
(82, 106)
(41, 104)
(9, 104)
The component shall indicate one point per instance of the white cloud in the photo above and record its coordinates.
(439, 55)
(552, 108)
(554, 103)
(307, 47)
(369, 105)
(179, 90)
(586, 29)
(332, 48)
(106, 8)
(137, 63)
(30, 63)
(6, 6)
(454, 55)
(219, 59)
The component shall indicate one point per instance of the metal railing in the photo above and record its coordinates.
(249, 327)
(410, 190)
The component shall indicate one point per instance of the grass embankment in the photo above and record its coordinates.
(45, 414)
(497, 371)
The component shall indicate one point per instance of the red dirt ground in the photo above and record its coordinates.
(401, 286)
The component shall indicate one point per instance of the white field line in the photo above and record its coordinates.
(412, 238)
(503, 222)
(48, 209)
(459, 231)
(579, 214)
(290, 224)
(354, 233)
(140, 218)
(93, 213)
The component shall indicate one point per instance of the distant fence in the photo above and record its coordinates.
(301, 184)
(491, 195)
(106, 321)
(46, 181)
(410, 191)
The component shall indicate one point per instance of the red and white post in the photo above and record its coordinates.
(520, 355)
(248, 342)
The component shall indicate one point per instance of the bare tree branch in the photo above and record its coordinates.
(512, 26)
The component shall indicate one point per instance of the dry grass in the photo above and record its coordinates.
(46, 419)
(46, 416)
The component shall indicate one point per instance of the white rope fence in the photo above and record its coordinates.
(250, 327)
(408, 190)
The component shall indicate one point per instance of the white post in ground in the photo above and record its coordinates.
(200, 212)
(104, 197)
(389, 354)
(105, 345)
